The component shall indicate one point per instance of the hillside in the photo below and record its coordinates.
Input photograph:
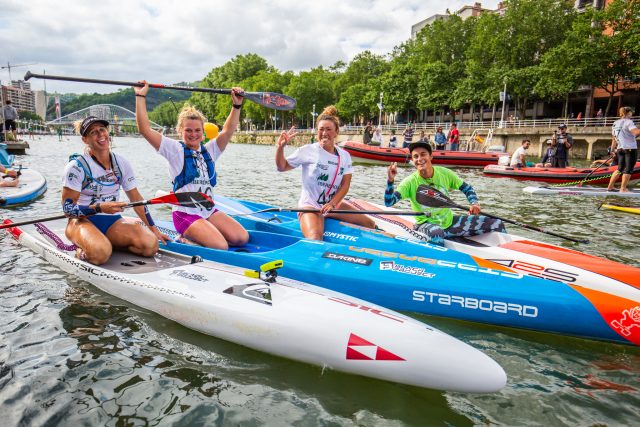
(71, 102)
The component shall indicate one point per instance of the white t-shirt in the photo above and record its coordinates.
(319, 168)
(515, 159)
(104, 186)
(621, 130)
(173, 151)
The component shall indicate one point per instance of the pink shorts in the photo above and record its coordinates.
(182, 220)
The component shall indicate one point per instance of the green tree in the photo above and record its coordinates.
(312, 87)
(232, 73)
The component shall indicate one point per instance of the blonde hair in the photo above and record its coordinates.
(76, 126)
(330, 113)
(189, 113)
(624, 111)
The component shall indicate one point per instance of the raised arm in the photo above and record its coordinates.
(283, 139)
(232, 121)
(391, 197)
(142, 118)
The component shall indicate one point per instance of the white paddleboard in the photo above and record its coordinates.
(579, 191)
(286, 318)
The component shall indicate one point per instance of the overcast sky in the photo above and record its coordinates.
(169, 41)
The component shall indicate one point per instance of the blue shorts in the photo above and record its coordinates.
(104, 221)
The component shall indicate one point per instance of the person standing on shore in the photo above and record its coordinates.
(407, 136)
(440, 139)
(10, 117)
(192, 168)
(624, 133)
(326, 176)
(454, 137)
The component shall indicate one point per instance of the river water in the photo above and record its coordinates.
(71, 354)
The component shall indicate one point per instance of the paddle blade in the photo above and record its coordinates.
(188, 199)
(429, 196)
(275, 101)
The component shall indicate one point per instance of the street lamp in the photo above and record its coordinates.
(380, 107)
(313, 118)
(503, 95)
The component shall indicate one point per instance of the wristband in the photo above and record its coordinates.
(97, 208)
(237, 106)
(141, 96)
(73, 210)
(147, 214)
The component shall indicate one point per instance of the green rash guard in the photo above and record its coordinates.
(443, 180)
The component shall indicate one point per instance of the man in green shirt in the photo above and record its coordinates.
(442, 223)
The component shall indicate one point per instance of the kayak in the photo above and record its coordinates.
(612, 289)
(558, 175)
(478, 291)
(31, 185)
(279, 316)
(579, 191)
(364, 153)
(628, 209)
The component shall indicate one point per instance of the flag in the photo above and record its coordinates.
(58, 112)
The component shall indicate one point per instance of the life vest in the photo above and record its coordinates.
(84, 165)
(190, 169)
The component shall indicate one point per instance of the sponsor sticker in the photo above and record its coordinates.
(347, 258)
(399, 268)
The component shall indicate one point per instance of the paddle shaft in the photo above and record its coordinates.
(157, 200)
(593, 171)
(29, 75)
(267, 99)
(522, 225)
(338, 211)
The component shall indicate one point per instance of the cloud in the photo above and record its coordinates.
(164, 41)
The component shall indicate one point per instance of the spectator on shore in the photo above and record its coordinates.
(407, 136)
(440, 139)
(10, 117)
(562, 141)
(518, 158)
(454, 137)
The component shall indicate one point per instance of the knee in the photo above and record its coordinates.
(145, 245)
(314, 235)
(240, 239)
(97, 255)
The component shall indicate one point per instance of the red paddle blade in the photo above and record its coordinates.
(276, 101)
(189, 199)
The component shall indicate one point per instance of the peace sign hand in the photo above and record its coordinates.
(286, 136)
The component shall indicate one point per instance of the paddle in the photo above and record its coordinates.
(598, 167)
(429, 196)
(193, 199)
(273, 100)
(336, 211)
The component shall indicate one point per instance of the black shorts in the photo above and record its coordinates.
(627, 159)
(10, 125)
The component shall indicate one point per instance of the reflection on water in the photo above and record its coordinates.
(70, 354)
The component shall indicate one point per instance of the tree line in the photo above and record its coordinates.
(542, 50)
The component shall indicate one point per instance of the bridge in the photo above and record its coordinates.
(122, 120)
